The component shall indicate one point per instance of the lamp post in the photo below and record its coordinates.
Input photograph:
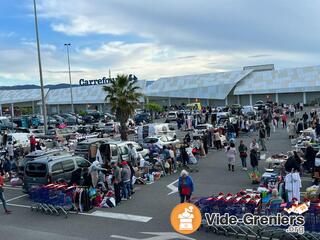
(71, 94)
(44, 110)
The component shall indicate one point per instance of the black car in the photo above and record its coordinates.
(88, 119)
(95, 114)
(143, 117)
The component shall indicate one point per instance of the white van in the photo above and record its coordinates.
(18, 139)
(153, 129)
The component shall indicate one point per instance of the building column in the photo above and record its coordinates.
(58, 109)
(208, 102)
(169, 101)
(304, 98)
(0, 110)
(250, 99)
(226, 101)
(238, 99)
(277, 97)
(147, 100)
(32, 107)
(189, 101)
(12, 110)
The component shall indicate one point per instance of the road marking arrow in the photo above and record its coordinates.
(173, 188)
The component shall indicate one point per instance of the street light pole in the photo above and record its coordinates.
(72, 107)
(44, 110)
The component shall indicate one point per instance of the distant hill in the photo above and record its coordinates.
(31, 86)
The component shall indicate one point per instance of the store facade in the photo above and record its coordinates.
(293, 85)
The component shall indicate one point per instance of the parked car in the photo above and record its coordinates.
(160, 141)
(88, 119)
(19, 139)
(139, 148)
(59, 119)
(50, 120)
(37, 132)
(36, 154)
(71, 119)
(54, 133)
(110, 127)
(154, 129)
(119, 151)
(142, 118)
(249, 112)
(44, 170)
(110, 150)
(109, 116)
(95, 114)
(82, 148)
(172, 116)
(5, 123)
(259, 105)
(201, 129)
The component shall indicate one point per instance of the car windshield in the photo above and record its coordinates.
(83, 146)
(37, 131)
(172, 114)
(5, 121)
(150, 140)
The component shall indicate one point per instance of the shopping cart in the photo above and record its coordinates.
(53, 199)
(240, 204)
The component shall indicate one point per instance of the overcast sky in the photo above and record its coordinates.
(154, 38)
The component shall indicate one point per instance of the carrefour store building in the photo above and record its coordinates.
(245, 87)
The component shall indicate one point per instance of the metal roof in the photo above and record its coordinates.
(304, 79)
(18, 96)
(82, 94)
(202, 86)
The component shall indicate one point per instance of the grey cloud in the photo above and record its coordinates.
(209, 24)
(61, 71)
(260, 56)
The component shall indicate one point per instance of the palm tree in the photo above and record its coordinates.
(124, 96)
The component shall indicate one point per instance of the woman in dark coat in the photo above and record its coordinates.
(254, 159)
(310, 157)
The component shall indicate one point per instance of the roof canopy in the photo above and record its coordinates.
(306, 79)
(18, 96)
(82, 94)
(202, 86)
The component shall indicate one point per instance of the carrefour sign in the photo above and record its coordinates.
(102, 81)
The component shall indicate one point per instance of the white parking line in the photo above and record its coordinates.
(18, 205)
(121, 216)
(13, 188)
(15, 198)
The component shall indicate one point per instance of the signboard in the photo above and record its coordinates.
(102, 81)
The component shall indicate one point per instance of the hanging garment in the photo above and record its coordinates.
(293, 185)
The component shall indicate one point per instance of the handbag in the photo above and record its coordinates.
(243, 154)
(185, 191)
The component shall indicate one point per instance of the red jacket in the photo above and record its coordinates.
(33, 141)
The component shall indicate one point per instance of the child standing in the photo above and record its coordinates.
(231, 156)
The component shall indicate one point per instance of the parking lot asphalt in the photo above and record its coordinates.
(148, 210)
